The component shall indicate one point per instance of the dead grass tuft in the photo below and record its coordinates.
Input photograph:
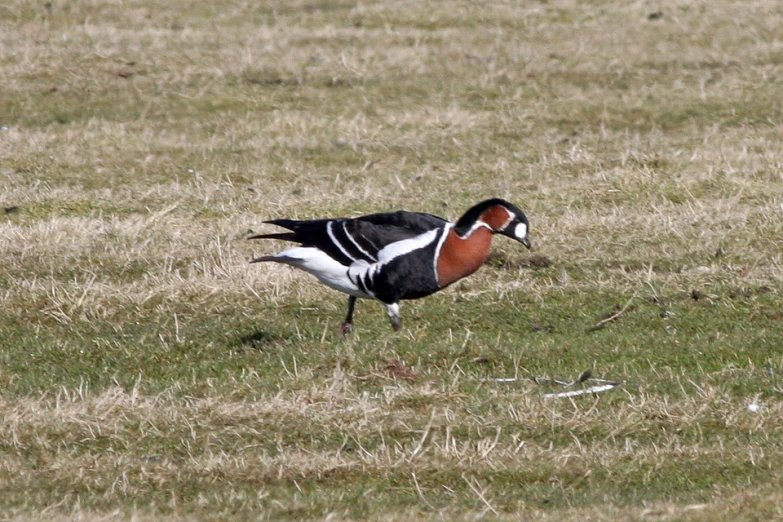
(148, 371)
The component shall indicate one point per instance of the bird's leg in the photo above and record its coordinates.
(394, 315)
(348, 323)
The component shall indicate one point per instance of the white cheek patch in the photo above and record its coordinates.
(520, 231)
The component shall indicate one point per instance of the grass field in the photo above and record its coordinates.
(148, 372)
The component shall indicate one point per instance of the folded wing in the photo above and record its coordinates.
(351, 240)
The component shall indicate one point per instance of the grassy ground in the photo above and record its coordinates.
(148, 372)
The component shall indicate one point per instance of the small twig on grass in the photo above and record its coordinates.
(423, 438)
(614, 316)
(584, 376)
(479, 494)
(421, 494)
(575, 393)
(601, 385)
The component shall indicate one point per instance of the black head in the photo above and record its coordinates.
(500, 216)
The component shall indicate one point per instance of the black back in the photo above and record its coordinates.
(353, 239)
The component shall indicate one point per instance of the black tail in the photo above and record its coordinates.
(283, 236)
(290, 224)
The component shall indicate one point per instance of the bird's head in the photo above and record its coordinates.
(498, 215)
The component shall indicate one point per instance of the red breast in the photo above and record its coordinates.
(461, 257)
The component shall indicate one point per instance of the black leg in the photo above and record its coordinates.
(348, 323)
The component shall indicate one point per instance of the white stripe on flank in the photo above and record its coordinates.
(336, 242)
(362, 274)
(352, 240)
(406, 246)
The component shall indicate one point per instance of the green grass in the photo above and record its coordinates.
(148, 372)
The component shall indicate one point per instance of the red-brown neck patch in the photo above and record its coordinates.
(496, 217)
(460, 257)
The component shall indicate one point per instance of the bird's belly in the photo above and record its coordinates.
(341, 284)
(328, 271)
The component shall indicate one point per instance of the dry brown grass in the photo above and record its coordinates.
(149, 372)
(82, 438)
